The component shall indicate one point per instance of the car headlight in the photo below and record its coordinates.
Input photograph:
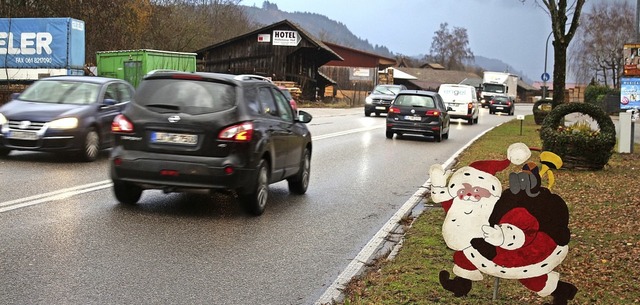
(66, 123)
(368, 100)
(3, 120)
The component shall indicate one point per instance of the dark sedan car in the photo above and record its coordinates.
(64, 114)
(503, 104)
(418, 112)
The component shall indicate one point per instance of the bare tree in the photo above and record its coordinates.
(596, 54)
(189, 25)
(450, 48)
(560, 12)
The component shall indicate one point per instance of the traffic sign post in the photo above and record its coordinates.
(545, 77)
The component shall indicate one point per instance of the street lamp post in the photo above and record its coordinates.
(544, 80)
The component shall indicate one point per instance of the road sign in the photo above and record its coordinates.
(545, 76)
(286, 38)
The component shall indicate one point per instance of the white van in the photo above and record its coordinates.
(463, 101)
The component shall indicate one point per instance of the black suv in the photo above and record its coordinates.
(189, 132)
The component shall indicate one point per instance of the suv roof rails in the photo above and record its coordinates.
(161, 70)
(252, 77)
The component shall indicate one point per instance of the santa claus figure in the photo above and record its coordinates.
(519, 233)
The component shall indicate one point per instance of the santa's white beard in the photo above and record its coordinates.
(464, 221)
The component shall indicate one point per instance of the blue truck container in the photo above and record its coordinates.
(32, 48)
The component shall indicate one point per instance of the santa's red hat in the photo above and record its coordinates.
(517, 154)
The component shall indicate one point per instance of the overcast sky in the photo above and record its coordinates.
(509, 30)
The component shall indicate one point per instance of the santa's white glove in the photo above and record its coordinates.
(493, 235)
(439, 177)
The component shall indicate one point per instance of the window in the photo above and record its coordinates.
(286, 113)
(267, 102)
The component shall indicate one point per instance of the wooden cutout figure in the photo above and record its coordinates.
(520, 233)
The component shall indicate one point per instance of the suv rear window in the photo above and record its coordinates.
(187, 96)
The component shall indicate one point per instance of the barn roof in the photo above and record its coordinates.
(304, 34)
(431, 78)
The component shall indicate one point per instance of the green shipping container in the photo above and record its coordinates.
(133, 65)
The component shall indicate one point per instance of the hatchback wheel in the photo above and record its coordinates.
(127, 193)
(298, 184)
(389, 134)
(255, 200)
(91, 147)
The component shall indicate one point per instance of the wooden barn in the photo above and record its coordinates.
(282, 51)
(356, 75)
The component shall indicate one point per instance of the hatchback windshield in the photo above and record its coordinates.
(186, 96)
(61, 92)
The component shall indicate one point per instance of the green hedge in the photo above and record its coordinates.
(579, 150)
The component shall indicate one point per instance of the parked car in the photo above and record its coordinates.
(501, 103)
(195, 132)
(418, 112)
(380, 98)
(463, 101)
(64, 114)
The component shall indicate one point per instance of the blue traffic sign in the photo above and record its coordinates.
(545, 76)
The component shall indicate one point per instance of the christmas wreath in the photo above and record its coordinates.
(579, 145)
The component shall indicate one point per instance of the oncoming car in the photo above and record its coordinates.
(64, 114)
(380, 98)
(418, 112)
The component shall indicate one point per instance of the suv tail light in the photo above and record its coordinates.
(394, 110)
(121, 124)
(240, 133)
(435, 113)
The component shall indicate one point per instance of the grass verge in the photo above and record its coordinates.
(604, 252)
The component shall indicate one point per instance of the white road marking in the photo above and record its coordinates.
(95, 186)
(52, 196)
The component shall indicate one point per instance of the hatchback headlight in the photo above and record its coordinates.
(66, 123)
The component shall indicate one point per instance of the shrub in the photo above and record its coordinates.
(579, 146)
(594, 94)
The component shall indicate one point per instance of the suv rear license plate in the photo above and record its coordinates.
(174, 138)
(412, 118)
(22, 135)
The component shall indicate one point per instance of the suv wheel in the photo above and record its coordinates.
(298, 184)
(255, 200)
(91, 147)
(127, 193)
(367, 113)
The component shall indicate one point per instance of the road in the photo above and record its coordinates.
(65, 239)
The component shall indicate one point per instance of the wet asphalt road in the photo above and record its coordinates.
(65, 239)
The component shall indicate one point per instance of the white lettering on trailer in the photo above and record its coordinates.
(30, 43)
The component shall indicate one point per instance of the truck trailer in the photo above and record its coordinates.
(33, 48)
(498, 83)
(133, 65)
